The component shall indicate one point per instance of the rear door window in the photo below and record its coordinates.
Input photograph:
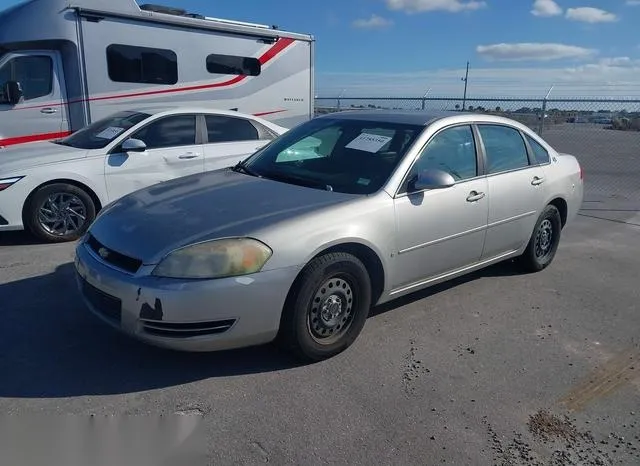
(504, 148)
(222, 128)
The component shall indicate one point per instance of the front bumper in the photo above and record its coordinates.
(10, 213)
(186, 315)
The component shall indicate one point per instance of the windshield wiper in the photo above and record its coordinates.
(241, 167)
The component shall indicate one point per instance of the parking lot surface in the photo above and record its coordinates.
(494, 368)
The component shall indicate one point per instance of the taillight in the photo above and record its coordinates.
(581, 172)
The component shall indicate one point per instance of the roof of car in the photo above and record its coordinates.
(410, 117)
(153, 110)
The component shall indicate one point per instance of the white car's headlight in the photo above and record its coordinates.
(7, 182)
(227, 257)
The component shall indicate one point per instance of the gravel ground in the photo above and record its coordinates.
(494, 368)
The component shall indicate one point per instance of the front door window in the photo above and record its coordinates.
(33, 72)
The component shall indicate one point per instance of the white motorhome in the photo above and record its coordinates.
(67, 63)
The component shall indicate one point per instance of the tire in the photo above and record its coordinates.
(56, 196)
(544, 241)
(340, 282)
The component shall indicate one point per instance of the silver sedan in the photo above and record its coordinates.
(342, 212)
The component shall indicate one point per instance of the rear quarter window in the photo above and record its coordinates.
(540, 154)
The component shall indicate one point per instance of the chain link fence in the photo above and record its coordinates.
(603, 133)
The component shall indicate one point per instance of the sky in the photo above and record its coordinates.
(408, 47)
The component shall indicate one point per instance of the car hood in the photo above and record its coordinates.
(151, 222)
(24, 156)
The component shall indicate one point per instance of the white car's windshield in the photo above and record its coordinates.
(99, 134)
(343, 155)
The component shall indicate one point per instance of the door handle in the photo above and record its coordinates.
(537, 181)
(189, 155)
(48, 110)
(474, 196)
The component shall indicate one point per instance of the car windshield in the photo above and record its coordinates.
(342, 155)
(99, 134)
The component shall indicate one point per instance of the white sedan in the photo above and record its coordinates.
(54, 189)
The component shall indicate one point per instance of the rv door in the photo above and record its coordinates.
(31, 100)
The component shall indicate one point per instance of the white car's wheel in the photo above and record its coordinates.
(59, 212)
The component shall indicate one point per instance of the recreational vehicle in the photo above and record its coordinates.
(67, 63)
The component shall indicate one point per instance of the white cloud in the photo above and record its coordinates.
(373, 22)
(590, 15)
(633, 3)
(619, 62)
(546, 8)
(419, 6)
(532, 51)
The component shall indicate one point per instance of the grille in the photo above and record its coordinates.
(108, 255)
(107, 305)
(186, 329)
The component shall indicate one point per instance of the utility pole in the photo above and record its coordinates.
(465, 79)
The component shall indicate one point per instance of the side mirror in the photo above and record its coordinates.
(431, 179)
(13, 92)
(133, 145)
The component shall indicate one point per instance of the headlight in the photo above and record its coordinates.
(6, 182)
(215, 259)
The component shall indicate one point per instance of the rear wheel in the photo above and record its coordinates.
(544, 241)
(59, 212)
(328, 307)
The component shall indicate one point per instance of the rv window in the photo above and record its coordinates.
(33, 72)
(231, 64)
(228, 129)
(129, 64)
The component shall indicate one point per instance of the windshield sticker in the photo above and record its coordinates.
(364, 181)
(109, 133)
(368, 142)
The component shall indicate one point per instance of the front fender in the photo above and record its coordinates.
(97, 186)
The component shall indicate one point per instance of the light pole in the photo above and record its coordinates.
(424, 98)
(465, 79)
(340, 97)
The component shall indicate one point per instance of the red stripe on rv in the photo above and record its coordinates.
(268, 113)
(272, 52)
(33, 138)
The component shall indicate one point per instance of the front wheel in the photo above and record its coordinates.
(59, 212)
(327, 308)
(544, 241)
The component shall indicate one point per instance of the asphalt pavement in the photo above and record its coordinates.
(494, 368)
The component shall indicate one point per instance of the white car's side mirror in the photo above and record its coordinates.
(134, 145)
